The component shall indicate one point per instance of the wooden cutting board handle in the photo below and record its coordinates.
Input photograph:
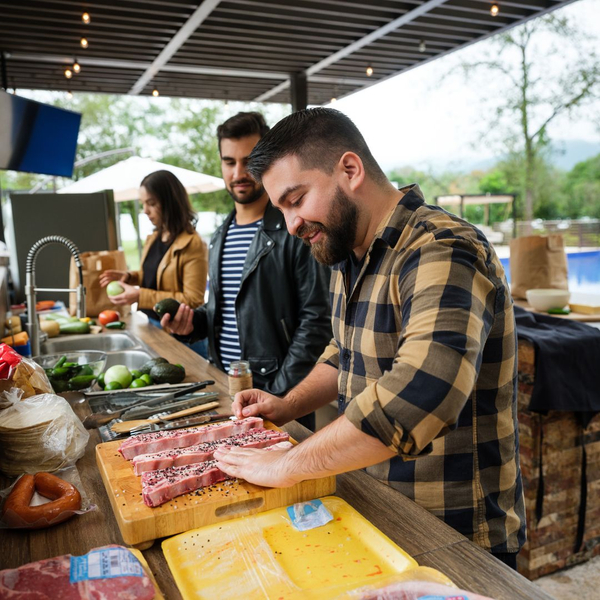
(126, 426)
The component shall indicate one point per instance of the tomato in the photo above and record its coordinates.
(108, 316)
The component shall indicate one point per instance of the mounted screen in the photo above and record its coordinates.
(36, 137)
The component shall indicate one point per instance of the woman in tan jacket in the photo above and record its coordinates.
(174, 260)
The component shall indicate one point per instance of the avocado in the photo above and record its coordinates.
(166, 373)
(168, 305)
(147, 366)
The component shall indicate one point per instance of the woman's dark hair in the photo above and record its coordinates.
(318, 137)
(242, 125)
(177, 212)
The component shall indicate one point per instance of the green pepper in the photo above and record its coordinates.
(85, 370)
(70, 364)
(59, 372)
(115, 325)
(80, 381)
(60, 386)
(61, 362)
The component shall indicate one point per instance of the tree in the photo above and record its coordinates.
(582, 189)
(533, 91)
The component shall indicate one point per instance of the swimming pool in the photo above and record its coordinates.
(584, 271)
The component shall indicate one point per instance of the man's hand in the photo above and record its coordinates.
(259, 466)
(129, 296)
(182, 322)
(112, 275)
(251, 403)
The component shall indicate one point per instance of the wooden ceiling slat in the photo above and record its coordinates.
(269, 38)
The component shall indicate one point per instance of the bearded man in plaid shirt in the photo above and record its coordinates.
(423, 362)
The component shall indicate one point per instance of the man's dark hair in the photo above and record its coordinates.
(318, 137)
(177, 212)
(242, 125)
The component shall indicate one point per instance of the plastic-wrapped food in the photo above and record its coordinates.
(39, 433)
(22, 373)
(407, 586)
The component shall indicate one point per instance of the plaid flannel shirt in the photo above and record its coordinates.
(425, 347)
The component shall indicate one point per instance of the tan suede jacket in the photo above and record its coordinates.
(181, 273)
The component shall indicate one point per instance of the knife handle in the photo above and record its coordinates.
(186, 412)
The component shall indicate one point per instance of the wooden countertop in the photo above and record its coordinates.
(430, 541)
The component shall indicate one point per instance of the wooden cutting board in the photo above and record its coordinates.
(140, 525)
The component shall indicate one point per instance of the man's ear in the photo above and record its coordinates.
(352, 169)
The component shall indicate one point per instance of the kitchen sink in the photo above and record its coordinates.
(106, 342)
(132, 359)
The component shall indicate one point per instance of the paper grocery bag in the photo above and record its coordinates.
(94, 264)
(538, 262)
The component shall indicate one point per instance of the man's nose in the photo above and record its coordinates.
(293, 223)
(239, 171)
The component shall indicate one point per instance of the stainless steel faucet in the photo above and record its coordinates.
(33, 326)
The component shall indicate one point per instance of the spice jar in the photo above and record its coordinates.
(240, 377)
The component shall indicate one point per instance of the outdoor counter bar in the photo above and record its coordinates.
(431, 542)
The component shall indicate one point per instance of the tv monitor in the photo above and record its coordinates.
(36, 137)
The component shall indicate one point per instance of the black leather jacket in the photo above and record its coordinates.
(282, 308)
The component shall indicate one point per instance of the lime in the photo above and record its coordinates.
(118, 373)
(145, 377)
(135, 373)
(138, 383)
(113, 385)
(100, 380)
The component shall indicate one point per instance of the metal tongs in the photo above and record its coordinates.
(179, 423)
(95, 420)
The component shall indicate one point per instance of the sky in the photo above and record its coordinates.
(427, 118)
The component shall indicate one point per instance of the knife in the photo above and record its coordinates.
(180, 423)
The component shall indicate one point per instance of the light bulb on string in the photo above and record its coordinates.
(68, 73)
(494, 10)
(85, 17)
(422, 46)
(70, 95)
(155, 93)
(84, 43)
(369, 71)
(76, 67)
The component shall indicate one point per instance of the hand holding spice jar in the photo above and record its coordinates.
(239, 376)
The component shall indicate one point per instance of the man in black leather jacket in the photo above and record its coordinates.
(281, 310)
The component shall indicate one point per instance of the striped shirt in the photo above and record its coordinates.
(235, 248)
(425, 348)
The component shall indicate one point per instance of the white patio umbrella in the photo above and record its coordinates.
(124, 179)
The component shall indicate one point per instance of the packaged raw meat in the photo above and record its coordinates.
(110, 573)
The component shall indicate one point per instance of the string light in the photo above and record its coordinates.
(84, 43)
(70, 95)
(422, 46)
(333, 100)
(155, 93)
(494, 10)
(68, 73)
(85, 17)
(76, 66)
(369, 71)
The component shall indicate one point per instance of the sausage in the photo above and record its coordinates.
(65, 498)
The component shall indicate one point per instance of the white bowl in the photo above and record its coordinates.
(545, 299)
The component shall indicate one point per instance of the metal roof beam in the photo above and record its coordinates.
(361, 43)
(199, 15)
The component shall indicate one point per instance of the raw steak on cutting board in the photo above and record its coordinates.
(161, 441)
(255, 438)
(49, 579)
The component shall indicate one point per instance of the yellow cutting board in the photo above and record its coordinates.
(140, 525)
(264, 557)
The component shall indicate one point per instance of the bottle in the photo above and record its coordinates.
(239, 376)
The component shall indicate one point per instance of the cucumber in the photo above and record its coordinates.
(74, 327)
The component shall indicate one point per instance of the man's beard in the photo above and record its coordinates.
(256, 193)
(339, 237)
